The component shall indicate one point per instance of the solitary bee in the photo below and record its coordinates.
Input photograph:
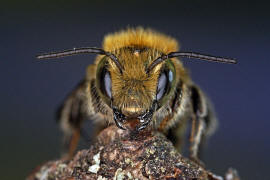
(137, 77)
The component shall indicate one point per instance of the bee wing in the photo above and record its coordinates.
(204, 121)
(203, 108)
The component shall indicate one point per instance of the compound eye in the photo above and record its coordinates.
(105, 84)
(108, 84)
(162, 85)
(104, 81)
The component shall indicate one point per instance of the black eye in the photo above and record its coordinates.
(165, 82)
(104, 82)
(162, 85)
(108, 84)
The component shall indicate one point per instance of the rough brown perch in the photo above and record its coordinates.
(119, 154)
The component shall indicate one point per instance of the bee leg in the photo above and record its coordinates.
(176, 135)
(203, 122)
(71, 116)
(198, 128)
(73, 143)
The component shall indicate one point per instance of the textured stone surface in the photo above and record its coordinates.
(120, 155)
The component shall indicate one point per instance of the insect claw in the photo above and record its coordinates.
(143, 125)
(119, 125)
(118, 118)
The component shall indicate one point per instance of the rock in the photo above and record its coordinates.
(120, 155)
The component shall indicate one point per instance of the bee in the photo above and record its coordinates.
(138, 77)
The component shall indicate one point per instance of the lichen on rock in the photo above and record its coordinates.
(121, 155)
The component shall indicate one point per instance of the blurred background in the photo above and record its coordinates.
(31, 90)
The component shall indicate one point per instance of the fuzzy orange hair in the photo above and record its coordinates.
(140, 37)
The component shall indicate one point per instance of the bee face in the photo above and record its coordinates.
(137, 77)
(134, 92)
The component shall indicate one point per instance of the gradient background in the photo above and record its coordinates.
(31, 90)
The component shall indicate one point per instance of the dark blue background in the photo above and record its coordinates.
(31, 90)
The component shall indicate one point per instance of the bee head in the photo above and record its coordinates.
(133, 92)
(135, 75)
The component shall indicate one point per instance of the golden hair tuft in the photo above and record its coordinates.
(140, 37)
